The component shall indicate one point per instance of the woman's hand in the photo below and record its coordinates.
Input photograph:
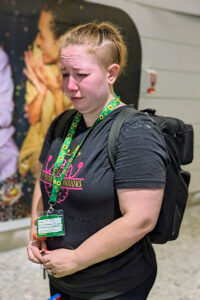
(34, 250)
(54, 84)
(39, 76)
(61, 262)
(33, 73)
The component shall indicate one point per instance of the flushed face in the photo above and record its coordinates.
(85, 79)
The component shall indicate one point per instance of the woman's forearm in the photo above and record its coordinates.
(37, 205)
(112, 240)
(139, 218)
(34, 109)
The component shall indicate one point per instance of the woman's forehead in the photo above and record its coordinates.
(78, 55)
(74, 50)
(45, 21)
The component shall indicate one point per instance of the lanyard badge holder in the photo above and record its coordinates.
(51, 223)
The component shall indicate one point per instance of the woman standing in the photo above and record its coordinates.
(103, 253)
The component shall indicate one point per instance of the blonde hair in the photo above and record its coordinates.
(99, 37)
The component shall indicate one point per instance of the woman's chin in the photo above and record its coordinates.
(78, 105)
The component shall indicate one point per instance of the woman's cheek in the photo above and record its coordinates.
(64, 86)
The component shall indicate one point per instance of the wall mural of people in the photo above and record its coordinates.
(44, 97)
(31, 32)
(18, 20)
(8, 150)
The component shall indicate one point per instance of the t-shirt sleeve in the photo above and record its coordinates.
(141, 157)
(47, 142)
(49, 139)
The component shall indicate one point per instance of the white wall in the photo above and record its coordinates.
(188, 6)
(171, 46)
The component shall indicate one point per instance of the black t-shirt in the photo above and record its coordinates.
(89, 199)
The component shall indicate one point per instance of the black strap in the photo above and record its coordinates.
(63, 122)
(115, 130)
(128, 111)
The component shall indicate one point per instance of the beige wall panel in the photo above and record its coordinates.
(170, 56)
(195, 181)
(195, 165)
(158, 23)
(182, 85)
(187, 110)
(196, 127)
(191, 6)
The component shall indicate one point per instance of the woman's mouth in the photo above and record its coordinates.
(76, 98)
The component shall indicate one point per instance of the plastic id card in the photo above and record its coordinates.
(51, 225)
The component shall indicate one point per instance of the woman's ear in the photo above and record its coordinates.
(112, 74)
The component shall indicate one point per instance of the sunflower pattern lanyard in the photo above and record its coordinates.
(57, 179)
(59, 173)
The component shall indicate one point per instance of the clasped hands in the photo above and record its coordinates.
(37, 74)
(58, 263)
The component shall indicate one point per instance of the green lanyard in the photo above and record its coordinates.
(58, 178)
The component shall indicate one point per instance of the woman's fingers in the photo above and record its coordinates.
(44, 246)
(39, 84)
(32, 258)
(47, 265)
(29, 74)
(29, 61)
(38, 74)
(34, 252)
(41, 73)
(51, 272)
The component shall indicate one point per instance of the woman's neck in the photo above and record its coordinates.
(90, 118)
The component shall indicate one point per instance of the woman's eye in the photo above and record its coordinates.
(82, 75)
(65, 75)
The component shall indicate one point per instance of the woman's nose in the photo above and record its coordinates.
(72, 83)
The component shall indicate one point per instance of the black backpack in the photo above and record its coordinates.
(179, 143)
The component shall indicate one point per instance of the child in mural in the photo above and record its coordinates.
(44, 97)
(8, 150)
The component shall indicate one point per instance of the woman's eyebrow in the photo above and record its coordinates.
(62, 68)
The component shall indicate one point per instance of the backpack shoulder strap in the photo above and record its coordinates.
(115, 130)
(63, 122)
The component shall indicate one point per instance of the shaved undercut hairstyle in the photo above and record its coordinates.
(104, 39)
